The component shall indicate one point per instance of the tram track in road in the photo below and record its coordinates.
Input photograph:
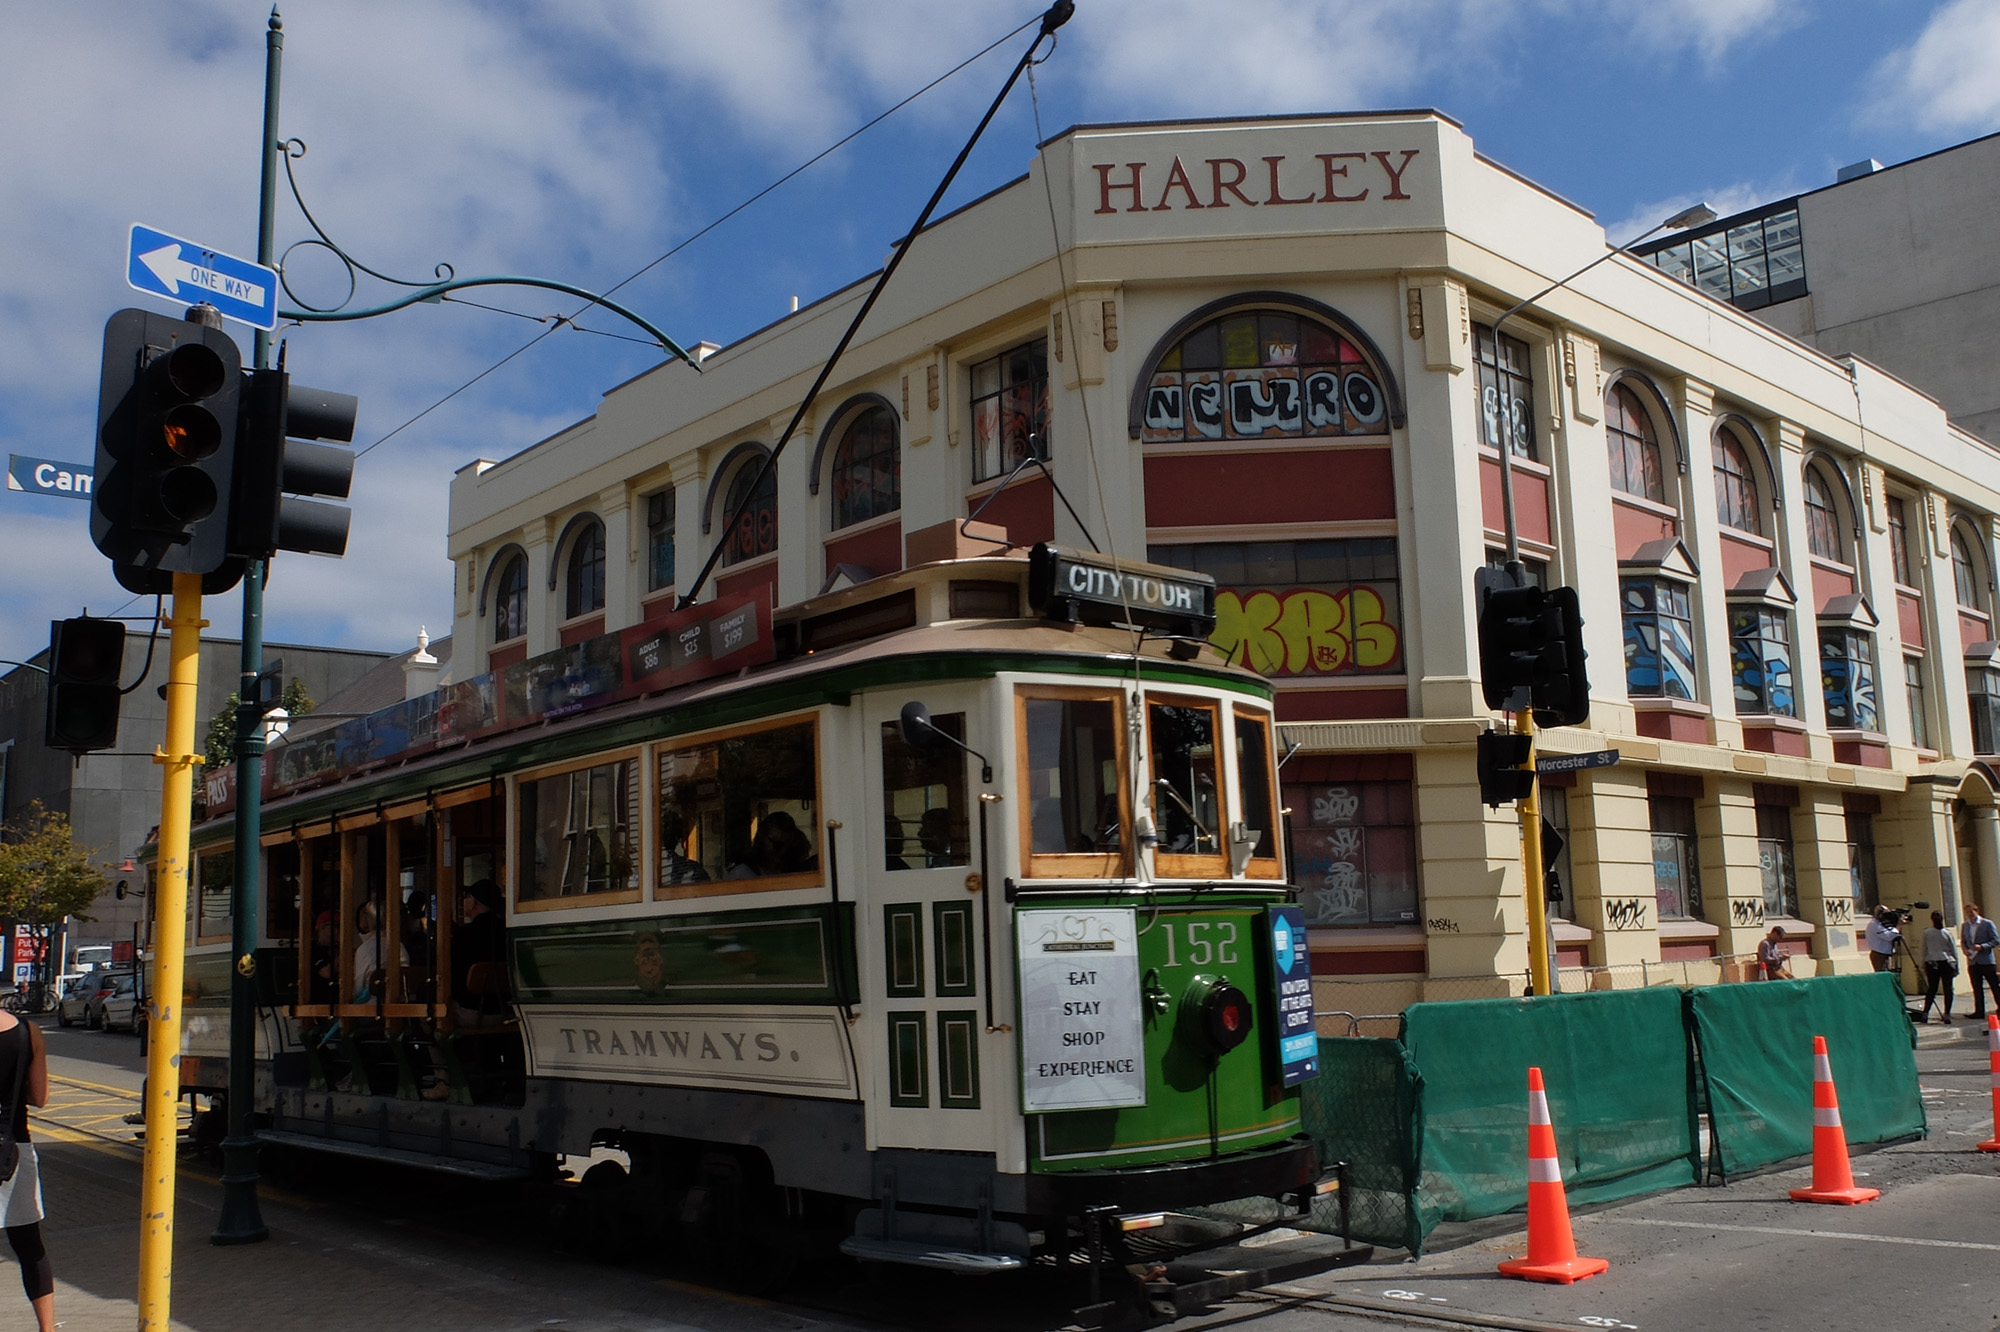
(1402, 1312)
(93, 1111)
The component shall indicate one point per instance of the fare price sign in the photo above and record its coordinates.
(1082, 1033)
(1292, 991)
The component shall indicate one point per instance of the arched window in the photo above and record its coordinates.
(867, 469)
(1263, 374)
(1633, 446)
(1965, 571)
(585, 573)
(1735, 484)
(757, 532)
(1822, 518)
(510, 600)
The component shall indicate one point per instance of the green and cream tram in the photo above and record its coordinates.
(936, 914)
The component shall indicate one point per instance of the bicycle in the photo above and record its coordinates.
(28, 999)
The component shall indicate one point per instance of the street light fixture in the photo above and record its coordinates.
(1541, 972)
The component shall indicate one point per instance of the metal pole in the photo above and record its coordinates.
(240, 1221)
(163, 1083)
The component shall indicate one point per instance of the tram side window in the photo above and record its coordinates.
(740, 807)
(577, 832)
(1074, 804)
(923, 800)
(1253, 780)
(323, 947)
(281, 891)
(1187, 791)
(215, 872)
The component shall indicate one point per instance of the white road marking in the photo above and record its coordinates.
(1809, 1234)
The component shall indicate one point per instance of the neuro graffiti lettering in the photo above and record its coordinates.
(1746, 911)
(1839, 911)
(1306, 631)
(1336, 804)
(1441, 925)
(1625, 913)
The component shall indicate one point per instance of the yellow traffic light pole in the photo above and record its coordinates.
(1533, 878)
(170, 891)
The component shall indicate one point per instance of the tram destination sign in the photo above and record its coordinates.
(1082, 1033)
(1096, 589)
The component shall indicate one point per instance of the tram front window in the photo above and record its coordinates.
(1187, 791)
(1075, 806)
(1253, 776)
(923, 800)
(740, 810)
(577, 833)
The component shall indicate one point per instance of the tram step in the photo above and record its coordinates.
(446, 1165)
(915, 1253)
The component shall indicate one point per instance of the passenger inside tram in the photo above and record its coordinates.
(370, 974)
(324, 977)
(475, 942)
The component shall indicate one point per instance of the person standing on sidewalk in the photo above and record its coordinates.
(1940, 967)
(1978, 937)
(25, 1064)
(1882, 935)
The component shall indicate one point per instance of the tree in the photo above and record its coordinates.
(44, 874)
(221, 749)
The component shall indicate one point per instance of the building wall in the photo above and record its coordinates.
(1391, 233)
(113, 798)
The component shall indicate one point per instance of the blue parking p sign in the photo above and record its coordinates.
(1292, 989)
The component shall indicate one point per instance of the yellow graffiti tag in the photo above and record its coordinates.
(1305, 630)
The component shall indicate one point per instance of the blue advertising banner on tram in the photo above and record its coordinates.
(1292, 991)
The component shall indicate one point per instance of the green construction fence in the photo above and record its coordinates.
(1433, 1125)
(1755, 1043)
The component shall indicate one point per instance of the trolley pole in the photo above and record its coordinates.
(241, 1221)
(163, 1048)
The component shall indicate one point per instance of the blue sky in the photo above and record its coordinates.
(581, 142)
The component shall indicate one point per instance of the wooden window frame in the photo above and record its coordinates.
(194, 896)
(1185, 865)
(1071, 864)
(1261, 867)
(642, 834)
(769, 883)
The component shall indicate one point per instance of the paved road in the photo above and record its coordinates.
(357, 1247)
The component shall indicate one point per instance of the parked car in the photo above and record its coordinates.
(73, 999)
(115, 1003)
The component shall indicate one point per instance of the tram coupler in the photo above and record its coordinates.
(1158, 1253)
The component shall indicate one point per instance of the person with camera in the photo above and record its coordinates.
(1884, 932)
(1977, 938)
(1940, 968)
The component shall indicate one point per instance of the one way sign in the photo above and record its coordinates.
(180, 270)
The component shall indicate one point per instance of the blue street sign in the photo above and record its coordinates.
(1292, 986)
(180, 270)
(49, 476)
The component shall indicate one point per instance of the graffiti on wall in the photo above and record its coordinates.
(1625, 913)
(1305, 631)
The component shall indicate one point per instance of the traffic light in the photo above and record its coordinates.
(85, 658)
(1531, 654)
(166, 445)
(1504, 776)
(276, 464)
(1562, 685)
(1512, 633)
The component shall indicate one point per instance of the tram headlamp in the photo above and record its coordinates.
(1215, 1014)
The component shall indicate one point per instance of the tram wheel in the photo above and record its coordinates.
(599, 1215)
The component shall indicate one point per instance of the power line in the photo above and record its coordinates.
(809, 163)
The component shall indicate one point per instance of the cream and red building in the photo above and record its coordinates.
(1261, 349)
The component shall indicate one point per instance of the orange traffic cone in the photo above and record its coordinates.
(1551, 1247)
(1833, 1179)
(1992, 1144)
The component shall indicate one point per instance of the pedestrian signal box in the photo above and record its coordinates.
(85, 659)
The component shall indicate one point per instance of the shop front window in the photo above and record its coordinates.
(1659, 638)
(1354, 846)
(1676, 857)
(1506, 392)
(1861, 862)
(1775, 861)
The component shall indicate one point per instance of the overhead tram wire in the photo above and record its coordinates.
(808, 164)
(1057, 14)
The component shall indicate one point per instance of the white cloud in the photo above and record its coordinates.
(1948, 79)
(1712, 28)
